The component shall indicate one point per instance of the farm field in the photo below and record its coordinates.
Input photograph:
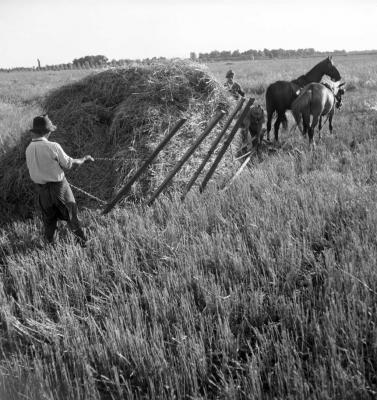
(267, 290)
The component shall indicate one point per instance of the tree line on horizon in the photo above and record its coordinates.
(101, 61)
(87, 62)
(253, 54)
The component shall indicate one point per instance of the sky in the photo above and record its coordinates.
(57, 31)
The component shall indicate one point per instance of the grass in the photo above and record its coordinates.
(265, 291)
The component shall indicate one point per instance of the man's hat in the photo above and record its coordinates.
(229, 74)
(42, 125)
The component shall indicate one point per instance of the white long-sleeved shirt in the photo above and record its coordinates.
(45, 161)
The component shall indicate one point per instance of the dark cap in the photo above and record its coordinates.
(42, 125)
(229, 74)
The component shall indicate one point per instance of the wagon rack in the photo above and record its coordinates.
(211, 124)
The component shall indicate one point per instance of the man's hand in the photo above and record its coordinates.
(80, 161)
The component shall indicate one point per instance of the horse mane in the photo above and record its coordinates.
(326, 60)
(305, 79)
(329, 86)
(301, 81)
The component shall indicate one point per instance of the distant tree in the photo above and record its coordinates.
(90, 60)
(267, 53)
(214, 54)
(225, 54)
(193, 56)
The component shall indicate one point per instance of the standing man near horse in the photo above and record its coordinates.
(45, 161)
(233, 86)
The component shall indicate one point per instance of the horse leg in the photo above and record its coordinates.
(270, 113)
(276, 129)
(312, 127)
(311, 134)
(257, 140)
(280, 118)
(270, 107)
(330, 121)
(305, 123)
(319, 126)
(246, 142)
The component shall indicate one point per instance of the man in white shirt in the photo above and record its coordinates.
(45, 161)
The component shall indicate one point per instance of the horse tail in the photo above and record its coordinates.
(299, 105)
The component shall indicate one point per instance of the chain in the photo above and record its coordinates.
(88, 194)
(106, 159)
(128, 159)
(91, 195)
(114, 159)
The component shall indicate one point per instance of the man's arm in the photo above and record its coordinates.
(79, 161)
(239, 90)
(67, 162)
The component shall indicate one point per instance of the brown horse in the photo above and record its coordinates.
(280, 94)
(317, 100)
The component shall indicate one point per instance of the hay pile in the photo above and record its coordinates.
(124, 114)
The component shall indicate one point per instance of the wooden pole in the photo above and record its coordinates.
(226, 144)
(186, 156)
(132, 180)
(212, 148)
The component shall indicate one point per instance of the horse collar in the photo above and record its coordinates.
(329, 87)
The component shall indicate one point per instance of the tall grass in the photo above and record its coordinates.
(264, 291)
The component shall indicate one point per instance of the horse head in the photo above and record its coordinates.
(333, 73)
(328, 68)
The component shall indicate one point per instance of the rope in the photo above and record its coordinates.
(88, 194)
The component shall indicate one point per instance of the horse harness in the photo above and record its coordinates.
(337, 96)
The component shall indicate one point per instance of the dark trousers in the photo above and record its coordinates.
(57, 202)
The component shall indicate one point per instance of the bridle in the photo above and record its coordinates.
(337, 96)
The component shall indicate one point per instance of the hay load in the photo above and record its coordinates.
(123, 114)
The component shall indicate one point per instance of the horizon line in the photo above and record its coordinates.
(188, 57)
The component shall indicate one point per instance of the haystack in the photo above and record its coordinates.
(123, 114)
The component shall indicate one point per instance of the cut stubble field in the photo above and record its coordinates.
(267, 290)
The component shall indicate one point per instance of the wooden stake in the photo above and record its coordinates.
(186, 156)
(212, 148)
(226, 144)
(132, 180)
